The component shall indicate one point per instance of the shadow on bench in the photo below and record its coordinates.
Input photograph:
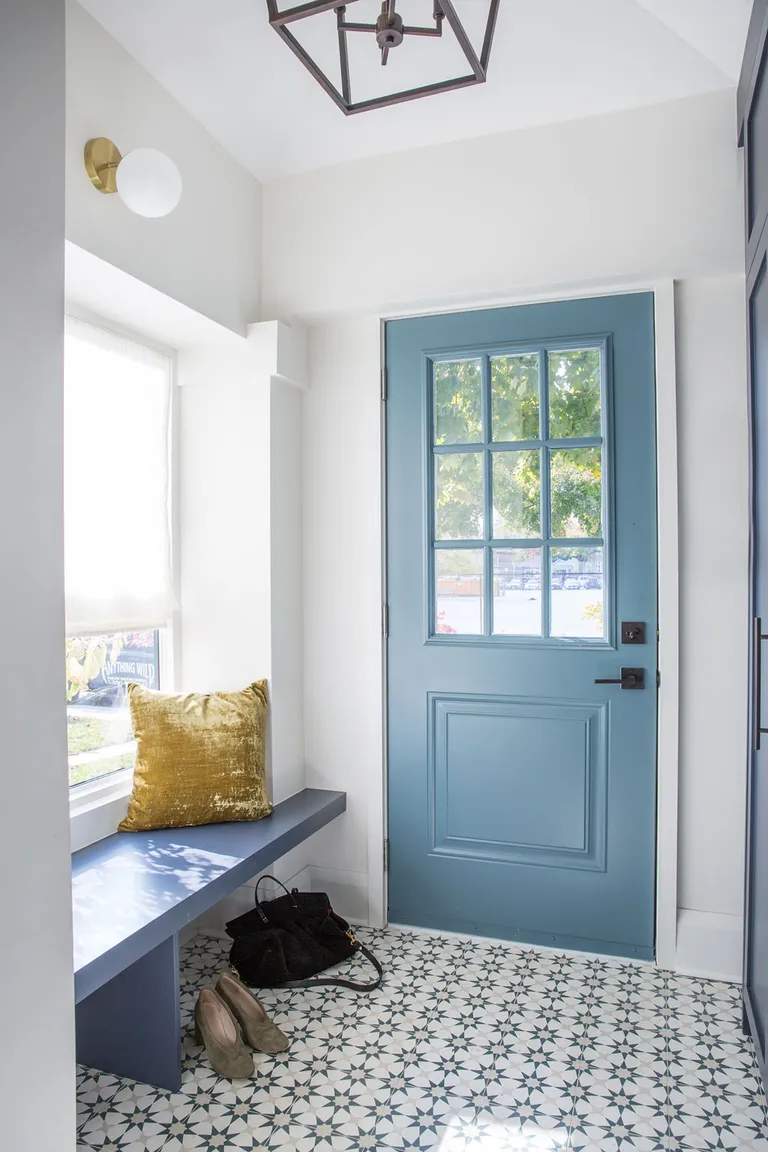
(132, 893)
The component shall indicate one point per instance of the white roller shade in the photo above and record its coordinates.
(117, 397)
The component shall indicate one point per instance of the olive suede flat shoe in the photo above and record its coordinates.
(259, 1031)
(219, 1033)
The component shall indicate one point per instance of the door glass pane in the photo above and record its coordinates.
(459, 496)
(458, 402)
(517, 591)
(574, 393)
(516, 495)
(515, 397)
(576, 492)
(577, 592)
(459, 591)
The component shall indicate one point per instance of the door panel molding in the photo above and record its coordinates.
(575, 837)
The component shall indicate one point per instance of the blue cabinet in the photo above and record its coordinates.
(753, 133)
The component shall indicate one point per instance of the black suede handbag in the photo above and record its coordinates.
(284, 943)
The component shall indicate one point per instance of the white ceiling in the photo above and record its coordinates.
(552, 60)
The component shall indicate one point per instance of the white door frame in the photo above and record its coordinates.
(668, 604)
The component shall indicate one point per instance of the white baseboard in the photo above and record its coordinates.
(709, 945)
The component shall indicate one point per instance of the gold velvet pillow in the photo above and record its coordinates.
(200, 758)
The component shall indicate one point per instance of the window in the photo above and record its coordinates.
(518, 532)
(119, 584)
(99, 735)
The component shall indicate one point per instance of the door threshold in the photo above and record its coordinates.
(539, 941)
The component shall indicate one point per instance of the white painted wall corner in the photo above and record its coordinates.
(709, 945)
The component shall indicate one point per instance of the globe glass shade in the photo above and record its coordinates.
(148, 182)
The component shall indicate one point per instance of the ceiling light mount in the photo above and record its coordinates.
(389, 32)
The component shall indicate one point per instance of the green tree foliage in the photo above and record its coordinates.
(458, 404)
(459, 495)
(86, 656)
(576, 492)
(517, 495)
(515, 397)
(574, 391)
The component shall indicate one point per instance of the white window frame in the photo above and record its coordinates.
(97, 806)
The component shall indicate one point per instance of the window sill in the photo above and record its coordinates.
(96, 808)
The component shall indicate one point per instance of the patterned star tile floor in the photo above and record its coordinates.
(466, 1046)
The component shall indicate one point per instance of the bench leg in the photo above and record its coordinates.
(131, 1026)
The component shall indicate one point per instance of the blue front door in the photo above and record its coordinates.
(521, 543)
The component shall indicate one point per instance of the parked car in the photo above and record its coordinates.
(571, 583)
(532, 585)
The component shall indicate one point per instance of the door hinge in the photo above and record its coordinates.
(384, 384)
(658, 678)
(385, 620)
(386, 855)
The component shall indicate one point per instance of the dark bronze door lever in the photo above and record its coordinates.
(630, 678)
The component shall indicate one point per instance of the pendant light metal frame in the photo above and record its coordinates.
(444, 10)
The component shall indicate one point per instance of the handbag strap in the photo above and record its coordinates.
(339, 981)
(274, 880)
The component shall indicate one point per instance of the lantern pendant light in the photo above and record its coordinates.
(388, 32)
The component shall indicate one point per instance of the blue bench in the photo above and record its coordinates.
(131, 895)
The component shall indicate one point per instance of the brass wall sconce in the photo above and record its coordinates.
(147, 181)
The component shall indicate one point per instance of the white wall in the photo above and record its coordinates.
(241, 548)
(636, 197)
(286, 572)
(626, 195)
(714, 527)
(206, 253)
(343, 687)
(240, 537)
(37, 1101)
(224, 521)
